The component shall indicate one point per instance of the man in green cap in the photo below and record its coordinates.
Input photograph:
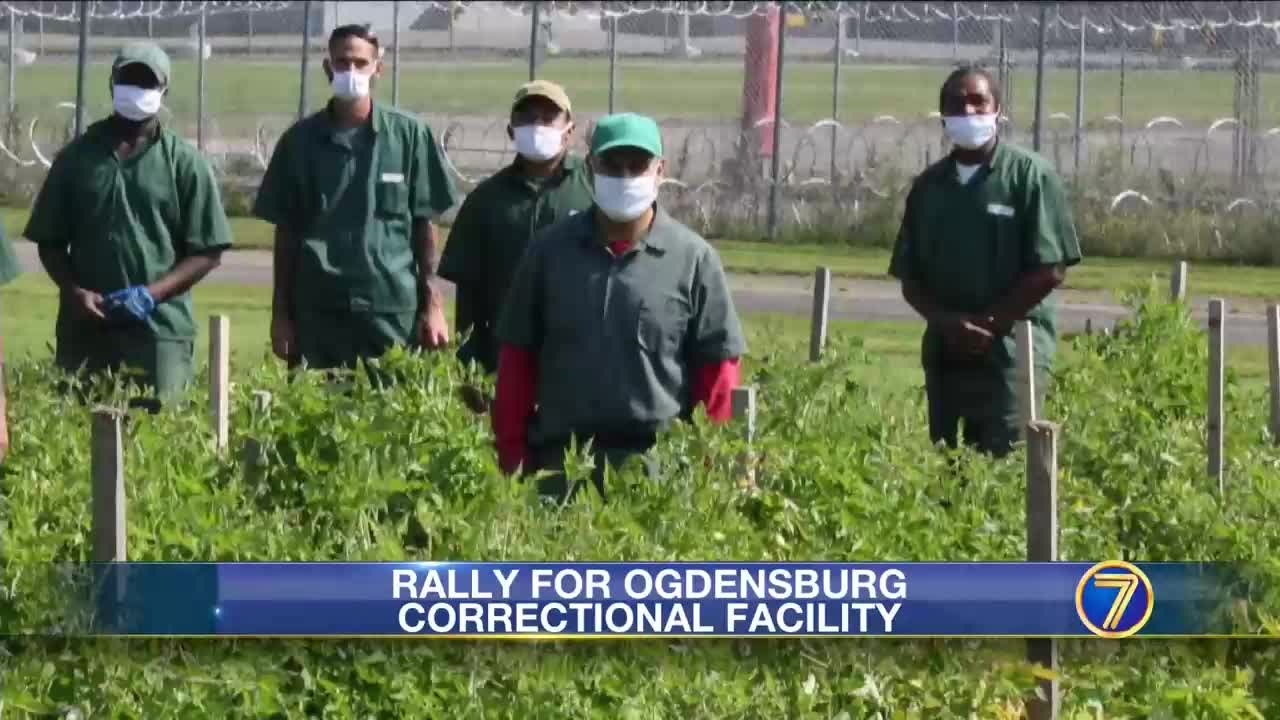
(543, 185)
(618, 322)
(986, 238)
(352, 191)
(128, 220)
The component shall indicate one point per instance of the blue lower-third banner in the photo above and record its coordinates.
(1110, 599)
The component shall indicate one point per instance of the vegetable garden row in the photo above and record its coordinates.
(842, 471)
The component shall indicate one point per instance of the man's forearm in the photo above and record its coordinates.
(1031, 289)
(57, 263)
(424, 251)
(284, 257)
(184, 275)
(922, 303)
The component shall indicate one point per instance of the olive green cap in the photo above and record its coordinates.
(148, 54)
(546, 89)
(627, 130)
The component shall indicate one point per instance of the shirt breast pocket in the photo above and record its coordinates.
(391, 198)
(661, 324)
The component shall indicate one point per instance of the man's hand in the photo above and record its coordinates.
(132, 303)
(966, 334)
(284, 341)
(433, 328)
(87, 303)
(998, 325)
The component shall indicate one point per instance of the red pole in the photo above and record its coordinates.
(759, 96)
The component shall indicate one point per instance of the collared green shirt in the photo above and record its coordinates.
(352, 200)
(967, 245)
(618, 339)
(129, 222)
(494, 226)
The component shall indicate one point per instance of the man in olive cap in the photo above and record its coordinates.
(129, 218)
(543, 185)
(618, 322)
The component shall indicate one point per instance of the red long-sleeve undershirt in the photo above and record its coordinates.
(516, 395)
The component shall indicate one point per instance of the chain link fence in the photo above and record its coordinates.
(1161, 115)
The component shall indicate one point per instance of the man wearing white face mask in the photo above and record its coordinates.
(128, 220)
(986, 237)
(543, 185)
(352, 191)
(618, 322)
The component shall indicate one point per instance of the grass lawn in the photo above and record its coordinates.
(28, 308)
(240, 92)
(1095, 274)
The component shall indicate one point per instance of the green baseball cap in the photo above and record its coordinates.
(148, 54)
(627, 130)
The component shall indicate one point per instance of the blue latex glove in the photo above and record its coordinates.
(132, 302)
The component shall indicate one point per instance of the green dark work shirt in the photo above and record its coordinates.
(495, 224)
(130, 222)
(618, 340)
(968, 245)
(351, 198)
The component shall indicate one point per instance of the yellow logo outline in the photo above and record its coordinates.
(1127, 583)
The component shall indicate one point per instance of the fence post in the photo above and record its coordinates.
(1273, 362)
(82, 60)
(110, 542)
(200, 81)
(1178, 282)
(1217, 342)
(1042, 546)
(775, 195)
(744, 412)
(13, 53)
(1037, 132)
(1026, 373)
(613, 59)
(1084, 28)
(303, 103)
(821, 310)
(219, 377)
(534, 19)
(395, 52)
(835, 94)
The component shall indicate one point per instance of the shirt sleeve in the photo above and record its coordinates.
(520, 320)
(902, 264)
(9, 268)
(279, 199)
(204, 219)
(432, 190)
(51, 217)
(713, 386)
(1051, 233)
(458, 261)
(715, 333)
(513, 403)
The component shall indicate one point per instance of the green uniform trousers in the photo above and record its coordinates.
(330, 340)
(609, 452)
(985, 399)
(163, 365)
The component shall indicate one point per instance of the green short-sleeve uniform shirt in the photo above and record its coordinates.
(967, 245)
(352, 198)
(129, 222)
(494, 226)
(618, 339)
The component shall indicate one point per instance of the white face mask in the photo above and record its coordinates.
(135, 103)
(970, 131)
(538, 142)
(625, 199)
(351, 85)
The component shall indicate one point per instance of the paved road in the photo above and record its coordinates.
(870, 300)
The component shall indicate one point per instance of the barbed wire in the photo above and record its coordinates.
(122, 10)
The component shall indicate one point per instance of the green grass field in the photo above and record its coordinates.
(239, 92)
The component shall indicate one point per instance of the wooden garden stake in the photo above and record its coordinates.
(1217, 348)
(1042, 546)
(1273, 363)
(744, 411)
(107, 467)
(821, 311)
(219, 378)
(1178, 282)
(1026, 373)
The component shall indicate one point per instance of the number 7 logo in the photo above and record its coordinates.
(1127, 583)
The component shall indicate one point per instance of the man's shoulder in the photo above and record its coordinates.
(180, 149)
(1026, 160)
(678, 236)
(565, 233)
(402, 121)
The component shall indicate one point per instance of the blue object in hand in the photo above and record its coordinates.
(133, 302)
